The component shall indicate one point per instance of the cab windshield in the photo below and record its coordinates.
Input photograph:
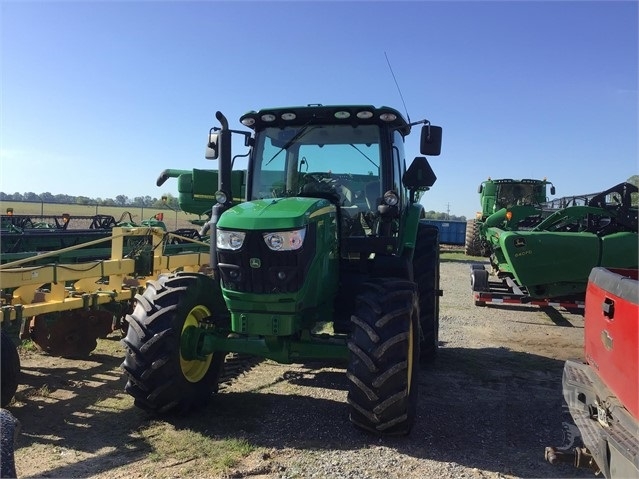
(511, 194)
(317, 160)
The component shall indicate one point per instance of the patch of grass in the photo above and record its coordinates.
(111, 345)
(460, 256)
(324, 327)
(120, 402)
(180, 446)
(43, 392)
(28, 345)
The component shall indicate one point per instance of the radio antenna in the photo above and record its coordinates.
(397, 85)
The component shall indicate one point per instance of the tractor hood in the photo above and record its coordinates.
(275, 214)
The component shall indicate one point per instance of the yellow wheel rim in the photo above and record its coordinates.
(409, 359)
(195, 369)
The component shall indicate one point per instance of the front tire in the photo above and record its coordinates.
(10, 368)
(159, 378)
(479, 280)
(384, 359)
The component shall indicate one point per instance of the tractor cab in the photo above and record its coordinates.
(351, 156)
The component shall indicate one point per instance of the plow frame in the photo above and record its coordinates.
(29, 291)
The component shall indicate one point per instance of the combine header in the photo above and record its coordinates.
(549, 264)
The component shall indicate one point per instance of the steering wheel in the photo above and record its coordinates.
(318, 177)
(317, 182)
(325, 184)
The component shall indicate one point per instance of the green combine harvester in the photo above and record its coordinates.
(495, 196)
(550, 262)
(318, 252)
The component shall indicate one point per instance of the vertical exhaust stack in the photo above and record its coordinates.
(224, 167)
(224, 192)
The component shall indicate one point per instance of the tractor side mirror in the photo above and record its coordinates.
(431, 140)
(212, 147)
(552, 190)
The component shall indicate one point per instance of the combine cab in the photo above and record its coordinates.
(551, 262)
(317, 253)
(497, 195)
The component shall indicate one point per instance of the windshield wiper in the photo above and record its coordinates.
(305, 129)
(365, 156)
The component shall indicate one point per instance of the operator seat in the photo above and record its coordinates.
(372, 195)
(367, 218)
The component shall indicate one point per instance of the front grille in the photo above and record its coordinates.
(256, 269)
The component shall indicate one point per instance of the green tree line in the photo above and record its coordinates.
(167, 200)
(434, 215)
(144, 202)
(170, 201)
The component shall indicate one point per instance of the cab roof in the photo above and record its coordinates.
(325, 114)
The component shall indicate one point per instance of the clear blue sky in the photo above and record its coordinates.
(99, 97)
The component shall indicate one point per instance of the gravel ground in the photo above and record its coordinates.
(488, 406)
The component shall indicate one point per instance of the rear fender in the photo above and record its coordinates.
(408, 230)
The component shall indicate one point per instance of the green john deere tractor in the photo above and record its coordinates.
(496, 196)
(321, 255)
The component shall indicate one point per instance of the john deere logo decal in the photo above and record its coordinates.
(519, 242)
(255, 263)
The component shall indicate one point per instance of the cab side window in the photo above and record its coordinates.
(399, 166)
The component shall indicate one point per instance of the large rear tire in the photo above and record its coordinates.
(472, 238)
(426, 275)
(384, 359)
(476, 245)
(159, 378)
(9, 368)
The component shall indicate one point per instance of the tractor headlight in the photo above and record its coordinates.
(285, 240)
(390, 198)
(232, 240)
(220, 197)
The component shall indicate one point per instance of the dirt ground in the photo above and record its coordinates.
(489, 405)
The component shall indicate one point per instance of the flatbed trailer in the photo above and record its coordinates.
(505, 291)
